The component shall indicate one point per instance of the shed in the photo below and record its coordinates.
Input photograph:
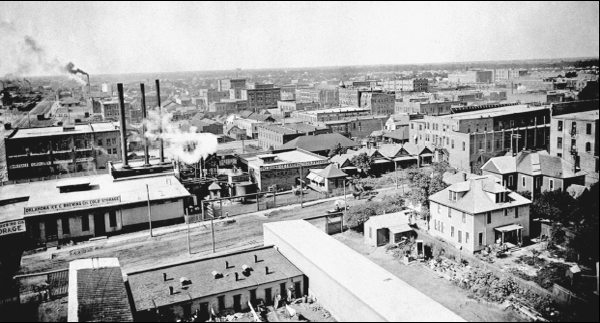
(388, 228)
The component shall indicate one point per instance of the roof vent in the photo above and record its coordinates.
(217, 274)
(245, 268)
(68, 128)
(184, 281)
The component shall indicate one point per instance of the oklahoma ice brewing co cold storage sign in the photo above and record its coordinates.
(12, 227)
(71, 205)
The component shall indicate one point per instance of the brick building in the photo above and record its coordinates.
(427, 107)
(261, 98)
(323, 115)
(378, 103)
(468, 140)
(406, 85)
(274, 136)
(356, 127)
(574, 137)
(41, 152)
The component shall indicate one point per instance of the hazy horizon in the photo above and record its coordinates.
(139, 38)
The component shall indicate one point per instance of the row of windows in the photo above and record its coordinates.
(108, 141)
(85, 223)
(559, 145)
(588, 127)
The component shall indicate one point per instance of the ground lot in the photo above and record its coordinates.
(438, 289)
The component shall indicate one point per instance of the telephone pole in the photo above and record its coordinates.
(149, 210)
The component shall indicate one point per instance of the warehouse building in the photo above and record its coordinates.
(81, 208)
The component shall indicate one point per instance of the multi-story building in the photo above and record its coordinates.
(274, 136)
(226, 106)
(507, 74)
(475, 76)
(352, 95)
(228, 84)
(41, 152)
(257, 85)
(479, 212)
(534, 172)
(406, 85)
(433, 108)
(290, 106)
(468, 140)
(330, 114)
(378, 103)
(574, 137)
(229, 282)
(263, 98)
(208, 96)
(324, 96)
(356, 127)
(107, 88)
(109, 110)
(397, 121)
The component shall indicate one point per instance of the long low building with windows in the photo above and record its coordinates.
(81, 208)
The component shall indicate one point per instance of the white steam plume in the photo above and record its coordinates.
(188, 147)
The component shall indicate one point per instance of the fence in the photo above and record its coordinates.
(34, 288)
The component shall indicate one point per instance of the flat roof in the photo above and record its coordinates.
(586, 115)
(294, 156)
(338, 110)
(495, 112)
(57, 131)
(386, 294)
(46, 193)
(149, 290)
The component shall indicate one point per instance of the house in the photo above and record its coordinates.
(535, 172)
(388, 228)
(400, 135)
(235, 132)
(479, 212)
(214, 285)
(327, 179)
(320, 144)
(397, 121)
(424, 156)
(402, 158)
(381, 164)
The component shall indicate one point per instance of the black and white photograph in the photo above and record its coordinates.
(310, 161)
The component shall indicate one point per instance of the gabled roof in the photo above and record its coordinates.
(501, 165)
(476, 199)
(343, 160)
(532, 164)
(389, 150)
(331, 171)
(388, 220)
(399, 134)
(321, 142)
(370, 152)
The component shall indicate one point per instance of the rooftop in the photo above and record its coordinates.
(389, 220)
(495, 112)
(532, 163)
(319, 142)
(282, 158)
(587, 115)
(476, 199)
(97, 292)
(45, 197)
(337, 110)
(392, 298)
(149, 290)
(56, 131)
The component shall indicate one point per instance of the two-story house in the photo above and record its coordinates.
(479, 212)
(534, 172)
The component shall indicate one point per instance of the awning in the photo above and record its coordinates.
(349, 167)
(426, 155)
(405, 158)
(508, 228)
(311, 176)
(382, 161)
(400, 228)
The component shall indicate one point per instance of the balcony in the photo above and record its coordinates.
(573, 150)
(573, 132)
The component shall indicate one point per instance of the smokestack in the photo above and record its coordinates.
(162, 148)
(123, 125)
(144, 116)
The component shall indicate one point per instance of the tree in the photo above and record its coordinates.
(556, 206)
(422, 185)
(363, 162)
(571, 74)
(358, 215)
(525, 194)
(590, 92)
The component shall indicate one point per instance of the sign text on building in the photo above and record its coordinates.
(72, 205)
(11, 227)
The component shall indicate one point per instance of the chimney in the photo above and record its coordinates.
(123, 126)
(266, 270)
(237, 276)
(171, 290)
(144, 116)
(164, 277)
(162, 148)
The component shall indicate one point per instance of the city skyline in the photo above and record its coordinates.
(274, 35)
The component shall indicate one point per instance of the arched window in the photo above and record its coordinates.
(588, 147)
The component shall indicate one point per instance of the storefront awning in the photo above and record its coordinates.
(509, 228)
(400, 228)
(311, 176)
(426, 155)
(407, 158)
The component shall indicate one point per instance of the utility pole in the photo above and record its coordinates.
(396, 173)
(149, 210)
(301, 188)
(345, 209)
(187, 221)
(212, 227)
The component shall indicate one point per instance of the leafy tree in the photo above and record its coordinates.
(358, 215)
(585, 239)
(590, 92)
(556, 206)
(525, 194)
(422, 185)
(571, 74)
(363, 162)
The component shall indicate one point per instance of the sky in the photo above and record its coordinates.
(119, 37)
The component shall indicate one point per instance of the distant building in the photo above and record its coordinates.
(534, 172)
(433, 108)
(467, 140)
(107, 88)
(215, 285)
(325, 97)
(208, 96)
(378, 103)
(473, 76)
(228, 84)
(406, 85)
(507, 74)
(479, 212)
(290, 106)
(261, 98)
(356, 127)
(574, 137)
(41, 152)
(352, 96)
(321, 144)
(333, 114)
(274, 136)
(397, 121)
(109, 110)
